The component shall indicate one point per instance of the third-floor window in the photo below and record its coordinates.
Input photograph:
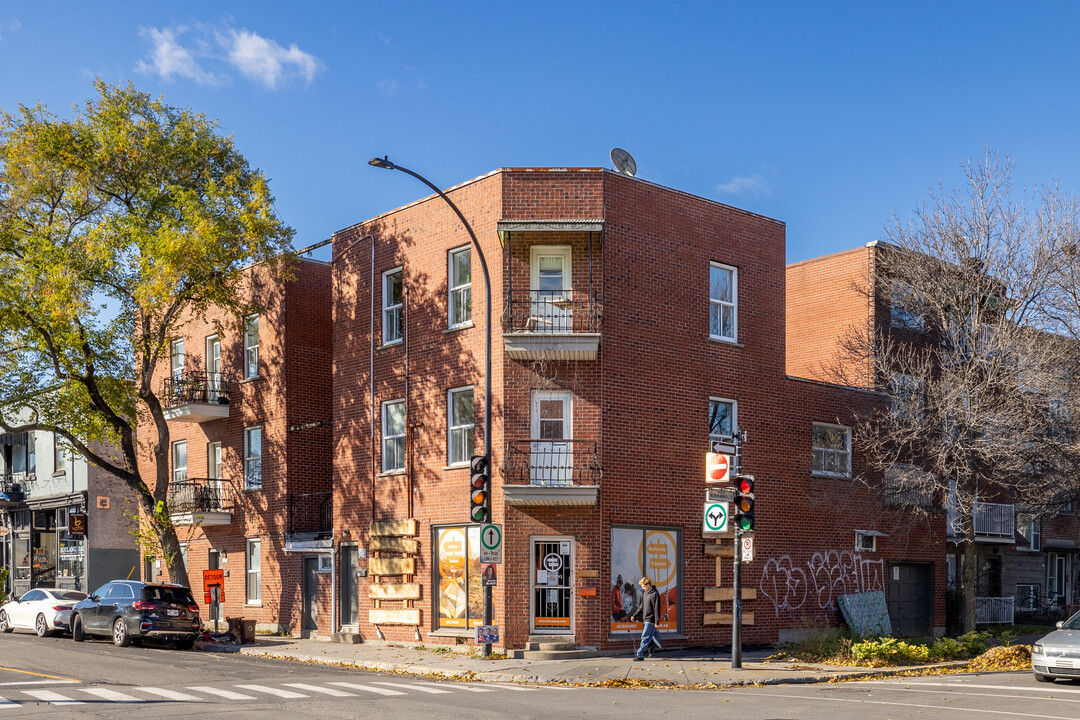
(176, 358)
(251, 346)
(461, 425)
(459, 282)
(179, 461)
(723, 302)
(393, 299)
(393, 433)
(252, 458)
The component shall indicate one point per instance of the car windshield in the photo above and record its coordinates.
(70, 595)
(1072, 623)
(177, 595)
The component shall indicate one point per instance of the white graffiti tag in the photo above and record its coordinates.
(784, 584)
(828, 575)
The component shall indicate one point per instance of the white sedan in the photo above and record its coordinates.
(44, 610)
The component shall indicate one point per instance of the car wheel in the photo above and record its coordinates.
(76, 629)
(120, 636)
(41, 627)
(1043, 678)
(5, 626)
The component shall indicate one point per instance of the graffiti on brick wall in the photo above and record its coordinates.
(815, 585)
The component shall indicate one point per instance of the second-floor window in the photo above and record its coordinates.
(252, 458)
(393, 299)
(393, 433)
(832, 450)
(59, 456)
(213, 460)
(176, 358)
(461, 425)
(721, 420)
(1030, 529)
(723, 302)
(459, 282)
(251, 346)
(179, 461)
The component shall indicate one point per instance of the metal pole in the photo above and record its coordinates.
(384, 163)
(736, 617)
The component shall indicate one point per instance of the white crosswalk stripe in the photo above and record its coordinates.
(168, 694)
(110, 695)
(288, 694)
(456, 686)
(6, 704)
(367, 688)
(413, 686)
(52, 698)
(325, 691)
(227, 694)
(519, 688)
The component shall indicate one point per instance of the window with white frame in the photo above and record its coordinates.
(393, 298)
(176, 359)
(213, 460)
(60, 456)
(461, 425)
(1030, 528)
(179, 461)
(254, 570)
(832, 450)
(459, 282)
(252, 458)
(723, 302)
(393, 433)
(722, 420)
(1027, 590)
(251, 346)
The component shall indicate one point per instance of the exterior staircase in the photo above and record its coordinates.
(553, 647)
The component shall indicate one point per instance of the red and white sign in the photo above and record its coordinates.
(717, 468)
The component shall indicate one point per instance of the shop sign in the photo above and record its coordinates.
(77, 524)
(3, 532)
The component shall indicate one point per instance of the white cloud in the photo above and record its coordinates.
(753, 185)
(8, 27)
(388, 86)
(207, 55)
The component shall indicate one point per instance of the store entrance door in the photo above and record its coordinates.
(551, 578)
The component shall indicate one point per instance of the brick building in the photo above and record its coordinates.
(248, 406)
(634, 324)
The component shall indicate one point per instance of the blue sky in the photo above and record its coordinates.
(827, 116)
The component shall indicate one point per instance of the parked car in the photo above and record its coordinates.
(128, 610)
(43, 610)
(1057, 655)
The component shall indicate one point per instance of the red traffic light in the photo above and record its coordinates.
(745, 486)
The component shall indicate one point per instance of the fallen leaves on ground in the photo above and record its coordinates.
(1013, 657)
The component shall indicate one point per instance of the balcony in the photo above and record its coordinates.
(201, 501)
(195, 397)
(551, 325)
(311, 522)
(552, 472)
(994, 523)
(12, 489)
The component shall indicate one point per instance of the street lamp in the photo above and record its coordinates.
(384, 163)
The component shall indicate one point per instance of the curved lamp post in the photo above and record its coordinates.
(384, 162)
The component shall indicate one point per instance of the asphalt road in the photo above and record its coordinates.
(58, 678)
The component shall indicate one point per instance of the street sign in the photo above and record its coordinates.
(747, 549)
(491, 543)
(716, 517)
(723, 447)
(719, 494)
(717, 468)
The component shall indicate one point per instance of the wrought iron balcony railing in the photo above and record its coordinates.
(12, 488)
(311, 513)
(201, 495)
(193, 387)
(552, 311)
(552, 462)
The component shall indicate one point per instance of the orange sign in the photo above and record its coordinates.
(211, 579)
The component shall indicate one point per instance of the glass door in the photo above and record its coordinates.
(213, 369)
(551, 302)
(551, 455)
(552, 585)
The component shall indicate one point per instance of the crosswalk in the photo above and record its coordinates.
(76, 694)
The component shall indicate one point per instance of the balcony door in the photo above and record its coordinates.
(213, 467)
(551, 456)
(550, 283)
(213, 368)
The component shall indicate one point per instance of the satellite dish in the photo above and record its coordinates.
(623, 162)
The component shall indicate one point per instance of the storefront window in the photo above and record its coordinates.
(44, 547)
(461, 597)
(71, 558)
(644, 551)
(22, 557)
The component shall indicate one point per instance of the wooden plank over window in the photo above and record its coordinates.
(407, 546)
(394, 527)
(403, 616)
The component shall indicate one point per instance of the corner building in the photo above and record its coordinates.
(633, 324)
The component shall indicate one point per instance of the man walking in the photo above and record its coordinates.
(650, 606)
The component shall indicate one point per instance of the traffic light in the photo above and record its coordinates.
(717, 467)
(744, 504)
(480, 490)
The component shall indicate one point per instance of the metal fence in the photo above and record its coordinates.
(311, 513)
(992, 520)
(193, 387)
(200, 495)
(552, 311)
(552, 462)
(990, 610)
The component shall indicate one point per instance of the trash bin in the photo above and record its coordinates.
(247, 631)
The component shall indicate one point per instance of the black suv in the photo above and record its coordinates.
(127, 610)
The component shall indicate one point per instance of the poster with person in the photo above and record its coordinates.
(636, 552)
(461, 597)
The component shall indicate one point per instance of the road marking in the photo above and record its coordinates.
(39, 682)
(368, 688)
(1047, 687)
(939, 693)
(5, 703)
(324, 691)
(227, 694)
(110, 695)
(52, 698)
(466, 688)
(411, 686)
(519, 688)
(27, 672)
(167, 694)
(272, 691)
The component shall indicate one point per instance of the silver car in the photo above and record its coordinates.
(1058, 654)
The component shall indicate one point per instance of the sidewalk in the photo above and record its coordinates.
(699, 667)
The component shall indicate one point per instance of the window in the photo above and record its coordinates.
(254, 571)
(31, 454)
(59, 456)
(393, 299)
(1025, 591)
(251, 346)
(638, 551)
(176, 359)
(459, 281)
(721, 420)
(213, 460)
(393, 432)
(906, 397)
(866, 540)
(723, 302)
(179, 461)
(183, 555)
(832, 450)
(253, 458)
(457, 574)
(908, 486)
(459, 413)
(1030, 527)
(907, 307)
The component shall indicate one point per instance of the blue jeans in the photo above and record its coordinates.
(648, 634)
